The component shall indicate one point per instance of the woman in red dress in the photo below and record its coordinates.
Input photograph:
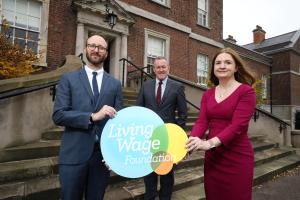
(225, 112)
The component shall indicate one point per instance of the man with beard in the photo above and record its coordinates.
(85, 100)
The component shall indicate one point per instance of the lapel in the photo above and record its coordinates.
(152, 89)
(104, 87)
(86, 84)
(167, 89)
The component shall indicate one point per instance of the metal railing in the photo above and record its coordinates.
(143, 73)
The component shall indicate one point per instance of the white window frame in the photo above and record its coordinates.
(203, 15)
(43, 29)
(202, 59)
(166, 3)
(166, 38)
(264, 86)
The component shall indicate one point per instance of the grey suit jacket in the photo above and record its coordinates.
(173, 99)
(73, 106)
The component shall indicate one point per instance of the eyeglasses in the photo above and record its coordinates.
(92, 47)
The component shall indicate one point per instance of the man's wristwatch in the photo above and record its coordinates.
(212, 145)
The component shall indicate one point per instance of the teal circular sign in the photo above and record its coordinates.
(137, 142)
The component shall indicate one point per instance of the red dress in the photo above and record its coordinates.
(228, 170)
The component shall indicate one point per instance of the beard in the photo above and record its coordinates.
(95, 59)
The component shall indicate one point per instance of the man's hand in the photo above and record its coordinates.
(103, 112)
(106, 165)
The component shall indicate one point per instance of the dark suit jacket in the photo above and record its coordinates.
(173, 99)
(73, 106)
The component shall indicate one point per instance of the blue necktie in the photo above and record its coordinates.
(95, 86)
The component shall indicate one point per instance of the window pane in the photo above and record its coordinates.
(21, 7)
(20, 33)
(32, 45)
(34, 8)
(10, 33)
(9, 16)
(20, 42)
(202, 4)
(34, 23)
(21, 20)
(202, 69)
(33, 36)
(8, 5)
(156, 46)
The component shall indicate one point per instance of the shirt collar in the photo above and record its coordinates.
(164, 81)
(90, 71)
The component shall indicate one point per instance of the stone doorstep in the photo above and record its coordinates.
(34, 150)
(26, 169)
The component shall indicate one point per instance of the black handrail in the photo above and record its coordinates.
(20, 91)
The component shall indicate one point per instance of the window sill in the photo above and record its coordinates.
(161, 4)
(202, 26)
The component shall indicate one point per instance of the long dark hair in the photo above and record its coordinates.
(241, 75)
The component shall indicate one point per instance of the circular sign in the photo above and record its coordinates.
(137, 142)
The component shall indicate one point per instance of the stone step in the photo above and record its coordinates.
(186, 179)
(135, 188)
(264, 156)
(48, 148)
(195, 191)
(40, 149)
(260, 146)
(26, 169)
(267, 170)
(53, 133)
(46, 188)
(191, 118)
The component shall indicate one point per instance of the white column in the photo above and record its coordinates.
(79, 39)
(123, 55)
(114, 58)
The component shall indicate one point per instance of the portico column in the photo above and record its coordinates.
(79, 39)
(123, 55)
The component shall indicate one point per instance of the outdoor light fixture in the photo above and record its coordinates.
(111, 17)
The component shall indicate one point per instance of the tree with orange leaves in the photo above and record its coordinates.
(14, 60)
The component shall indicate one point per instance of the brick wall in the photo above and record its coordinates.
(61, 32)
(185, 13)
(183, 50)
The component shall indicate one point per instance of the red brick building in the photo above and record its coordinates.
(188, 33)
(285, 69)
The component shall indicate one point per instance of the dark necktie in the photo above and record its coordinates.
(95, 86)
(158, 93)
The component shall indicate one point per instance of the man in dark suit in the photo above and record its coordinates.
(85, 100)
(164, 96)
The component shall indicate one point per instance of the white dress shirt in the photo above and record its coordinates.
(99, 76)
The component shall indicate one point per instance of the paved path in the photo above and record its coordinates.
(284, 187)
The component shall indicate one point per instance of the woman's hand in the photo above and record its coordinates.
(192, 144)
